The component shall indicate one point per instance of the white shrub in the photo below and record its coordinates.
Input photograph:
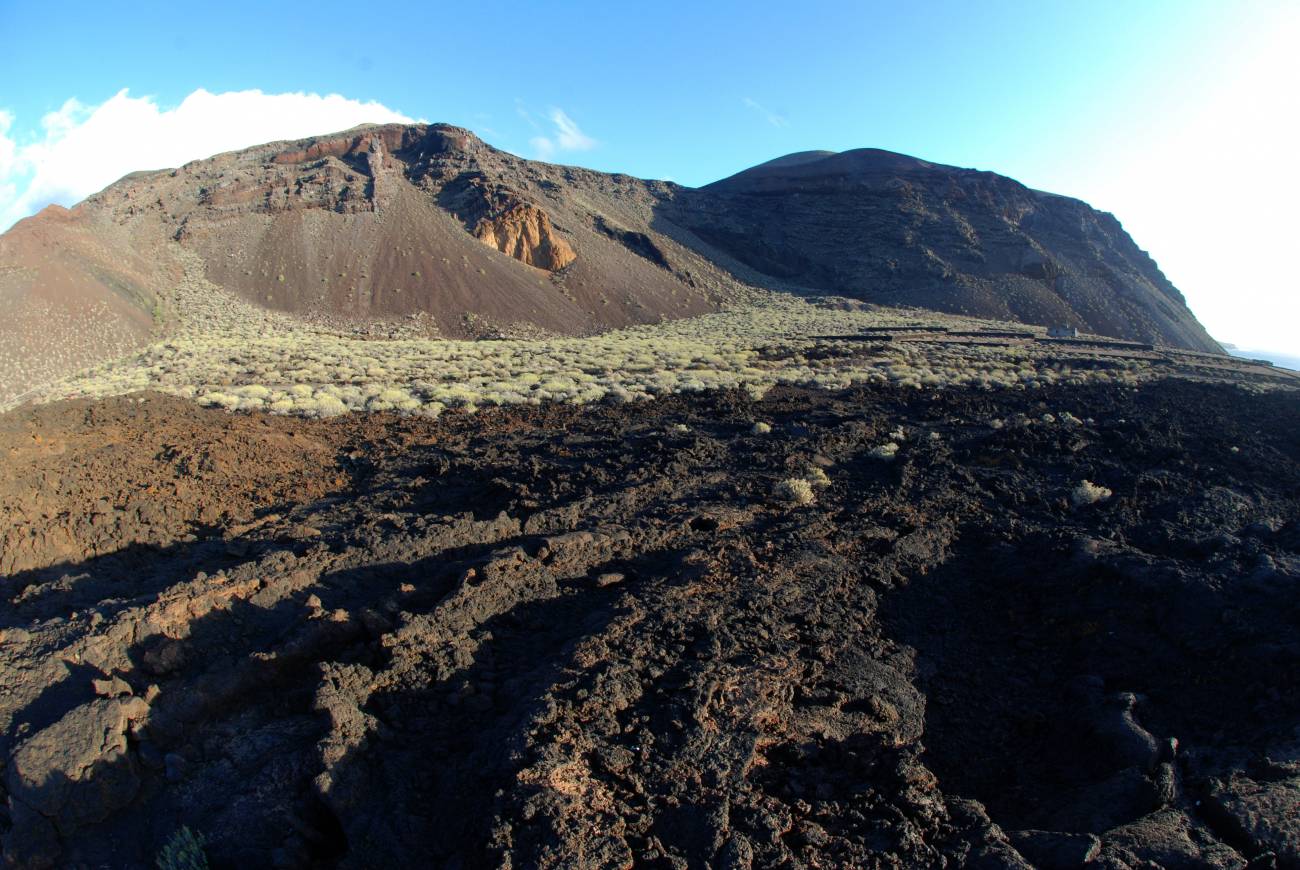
(1087, 493)
(795, 490)
(761, 428)
(329, 406)
(884, 452)
(222, 400)
(816, 476)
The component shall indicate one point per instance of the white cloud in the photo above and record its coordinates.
(8, 164)
(771, 117)
(567, 135)
(7, 145)
(81, 149)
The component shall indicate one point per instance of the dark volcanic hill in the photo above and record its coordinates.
(393, 221)
(896, 230)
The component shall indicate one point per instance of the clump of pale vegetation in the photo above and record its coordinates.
(761, 428)
(886, 452)
(1087, 493)
(226, 353)
(816, 476)
(795, 490)
(801, 490)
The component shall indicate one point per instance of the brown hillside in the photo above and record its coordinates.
(74, 289)
(388, 222)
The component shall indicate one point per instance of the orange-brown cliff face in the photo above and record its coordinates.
(524, 232)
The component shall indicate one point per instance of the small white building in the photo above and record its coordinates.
(1062, 332)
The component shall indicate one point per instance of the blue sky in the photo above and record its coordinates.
(1173, 115)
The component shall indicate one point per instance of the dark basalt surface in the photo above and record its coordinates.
(571, 637)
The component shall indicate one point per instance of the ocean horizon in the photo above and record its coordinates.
(1277, 358)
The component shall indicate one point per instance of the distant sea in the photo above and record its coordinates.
(1286, 360)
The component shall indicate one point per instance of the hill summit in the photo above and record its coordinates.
(896, 230)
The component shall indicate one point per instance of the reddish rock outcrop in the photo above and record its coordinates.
(525, 232)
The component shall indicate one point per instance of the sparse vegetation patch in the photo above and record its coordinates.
(229, 354)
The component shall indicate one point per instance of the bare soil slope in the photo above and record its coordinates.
(425, 221)
(593, 636)
(74, 290)
(395, 221)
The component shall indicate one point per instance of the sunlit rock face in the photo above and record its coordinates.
(525, 232)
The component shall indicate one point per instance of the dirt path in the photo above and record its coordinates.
(594, 636)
